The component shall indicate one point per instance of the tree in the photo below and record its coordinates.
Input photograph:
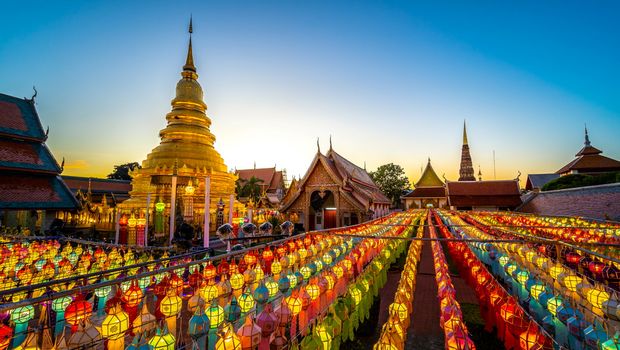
(392, 181)
(121, 172)
(249, 188)
(581, 180)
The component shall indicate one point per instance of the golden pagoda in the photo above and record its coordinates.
(186, 151)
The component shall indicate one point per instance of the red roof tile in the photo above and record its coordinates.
(591, 163)
(427, 192)
(11, 116)
(97, 185)
(500, 193)
(25, 191)
(26, 156)
(19, 119)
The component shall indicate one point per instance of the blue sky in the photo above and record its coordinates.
(390, 81)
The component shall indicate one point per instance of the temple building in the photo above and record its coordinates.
(589, 161)
(180, 166)
(428, 192)
(334, 192)
(271, 182)
(488, 195)
(99, 200)
(466, 171)
(31, 189)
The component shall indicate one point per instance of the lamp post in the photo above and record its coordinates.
(205, 230)
(173, 204)
(146, 217)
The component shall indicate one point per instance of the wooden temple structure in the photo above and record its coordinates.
(428, 192)
(334, 192)
(589, 161)
(31, 189)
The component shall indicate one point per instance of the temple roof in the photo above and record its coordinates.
(18, 117)
(539, 180)
(33, 191)
(29, 173)
(26, 155)
(427, 192)
(429, 178)
(590, 160)
(355, 183)
(490, 193)
(272, 179)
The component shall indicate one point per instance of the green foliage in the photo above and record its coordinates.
(392, 181)
(249, 188)
(581, 180)
(121, 172)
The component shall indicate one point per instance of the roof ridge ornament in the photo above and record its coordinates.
(587, 142)
(318, 147)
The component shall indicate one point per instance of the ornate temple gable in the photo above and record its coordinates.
(318, 175)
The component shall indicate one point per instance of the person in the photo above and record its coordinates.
(287, 228)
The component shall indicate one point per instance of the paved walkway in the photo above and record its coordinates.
(424, 331)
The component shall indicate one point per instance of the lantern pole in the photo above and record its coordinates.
(230, 208)
(173, 207)
(118, 225)
(205, 230)
(146, 217)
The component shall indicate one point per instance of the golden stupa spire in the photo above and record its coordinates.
(464, 133)
(189, 61)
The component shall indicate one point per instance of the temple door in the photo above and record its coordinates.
(330, 218)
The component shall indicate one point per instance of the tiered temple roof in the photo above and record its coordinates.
(429, 185)
(355, 183)
(466, 171)
(589, 160)
(30, 176)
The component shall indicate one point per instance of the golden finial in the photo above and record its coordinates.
(189, 62)
(464, 133)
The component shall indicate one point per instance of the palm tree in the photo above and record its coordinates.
(249, 188)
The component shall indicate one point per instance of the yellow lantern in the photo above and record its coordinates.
(536, 290)
(161, 341)
(294, 303)
(170, 306)
(115, 324)
(597, 297)
(338, 271)
(356, 295)
(229, 340)
(306, 272)
(272, 287)
(324, 336)
(259, 274)
(276, 267)
(400, 310)
(246, 302)
(555, 271)
(209, 293)
(236, 281)
(571, 282)
(313, 291)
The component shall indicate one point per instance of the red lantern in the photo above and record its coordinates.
(210, 271)
(78, 311)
